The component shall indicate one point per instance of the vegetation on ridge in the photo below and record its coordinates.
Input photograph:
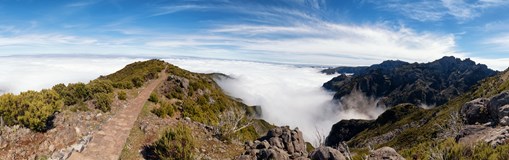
(395, 82)
(426, 133)
(34, 109)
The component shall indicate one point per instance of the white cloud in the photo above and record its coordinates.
(177, 8)
(322, 42)
(43, 39)
(36, 73)
(83, 3)
(500, 40)
(499, 64)
(436, 10)
(288, 95)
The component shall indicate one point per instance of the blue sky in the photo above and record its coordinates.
(327, 32)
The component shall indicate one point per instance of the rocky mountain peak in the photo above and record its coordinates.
(396, 82)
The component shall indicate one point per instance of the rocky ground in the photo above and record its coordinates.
(72, 130)
(487, 119)
(283, 143)
(149, 127)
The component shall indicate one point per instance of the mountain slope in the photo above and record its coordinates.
(427, 133)
(398, 82)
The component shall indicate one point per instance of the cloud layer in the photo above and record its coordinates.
(35, 73)
(288, 95)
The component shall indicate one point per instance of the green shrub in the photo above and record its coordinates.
(137, 82)
(135, 74)
(153, 98)
(123, 85)
(450, 149)
(102, 101)
(165, 109)
(100, 86)
(31, 109)
(122, 95)
(9, 109)
(80, 106)
(176, 143)
(73, 93)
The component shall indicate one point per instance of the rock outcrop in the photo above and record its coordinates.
(493, 110)
(385, 153)
(344, 130)
(326, 153)
(476, 111)
(279, 143)
(398, 82)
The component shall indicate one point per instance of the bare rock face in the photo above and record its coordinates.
(326, 153)
(494, 110)
(475, 111)
(385, 153)
(279, 143)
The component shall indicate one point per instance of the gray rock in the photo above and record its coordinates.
(475, 111)
(272, 153)
(279, 143)
(263, 145)
(245, 157)
(326, 153)
(276, 132)
(497, 102)
(385, 153)
(504, 121)
(274, 141)
(51, 148)
(78, 147)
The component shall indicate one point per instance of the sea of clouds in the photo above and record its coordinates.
(288, 94)
(19, 74)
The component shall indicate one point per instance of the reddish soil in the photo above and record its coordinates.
(107, 143)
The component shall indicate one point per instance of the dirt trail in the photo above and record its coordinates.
(108, 142)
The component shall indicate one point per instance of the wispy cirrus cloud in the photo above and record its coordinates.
(322, 42)
(288, 32)
(177, 8)
(499, 42)
(436, 10)
(41, 39)
(82, 3)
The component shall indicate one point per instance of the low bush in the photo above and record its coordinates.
(176, 143)
(165, 109)
(135, 74)
(31, 109)
(121, 95)
(153, 98)
(100, 86)
(73, 93)
(450, 149)
(103, 101)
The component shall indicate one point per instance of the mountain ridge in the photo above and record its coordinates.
(396, 82)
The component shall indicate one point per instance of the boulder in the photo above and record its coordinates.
(493, 110)
(273, 153)
(497, 104)
(279, 143)
(326, 153)
(385, 153)
(475, 111)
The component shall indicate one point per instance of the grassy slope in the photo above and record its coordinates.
(202, 101)
(415, 142)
